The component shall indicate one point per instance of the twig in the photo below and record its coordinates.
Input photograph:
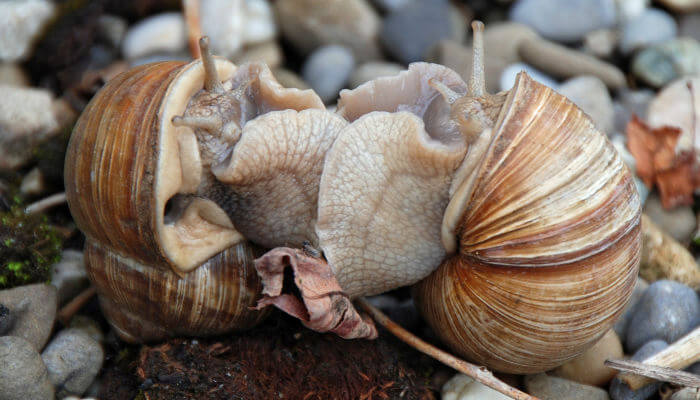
(46, 203)
(479, 374)
(70, 309)
(678, 355)
(664, 374)
(194, 27)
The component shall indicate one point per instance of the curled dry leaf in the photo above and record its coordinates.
(675, 174)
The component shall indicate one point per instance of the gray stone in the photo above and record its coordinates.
(548, 387)
(666, 311)
(689, 25)
(511, 71)
(632, 102)
(660, 64)
(620, 391)
(620, 326)
(328, 69)
(112, 29)
(566, 21)
(26, 119)
(679, 222)
(69, 275)
(23, 375)
(411, 31)
(642, 189)
(636, 33)
(373, 70)
(629, 9)
(591, 95)
(20, 24)
(160, 33)
(34, 310)
(73, 360)
(89, 326)
(687, 394)
(601, 42)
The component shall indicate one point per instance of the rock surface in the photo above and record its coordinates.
(636, 33)
(69, 275)
(620, 391)
(660, 64)
(20, 24)
(678, 222)
(510, 72)
(160, 33)
(548, 387)
(620, 326)
(565, 21)
(23, 374)
(73, 359)
(34, 310)
(588, 368)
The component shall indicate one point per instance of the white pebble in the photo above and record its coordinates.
(160, 33)
(510, 72)
(462, 387)
(20, 23)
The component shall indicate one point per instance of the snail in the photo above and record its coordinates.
(514, 217)
(141, 182)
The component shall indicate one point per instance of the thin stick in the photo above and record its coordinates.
(682, 353)
(480, 374)
(46, 203)
(194, 28)
(659, 373)
(69, 310)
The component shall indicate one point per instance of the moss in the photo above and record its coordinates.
(29, 245)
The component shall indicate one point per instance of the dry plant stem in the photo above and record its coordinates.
(479, 374)
(194, 28)
(664, 258)
(678, 355)
(46, 203)
(69, 310)
(664, 374)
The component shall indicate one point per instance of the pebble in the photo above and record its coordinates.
(565, 21)
(33, 310)
(591, 95)
(666, 311)
(69, 276)
(165, 32)
(660, 64)
(673, 106)
(411, 31)
(308, 24)
(620, 326)
(289, 79)
(112, 29)
(259, 22)
(548, 387)
(232, 24)
(33, 183)
(89, 326)
(26, 119)
(620, 391)
(631, 102)
(20, 24)
(629, 9)
(687, 394)
(462, 387)
(12, 74)
(73, 360)
(679, 222)
(23, 374)
(510, 72)
(642, 189)
(635, 33)
(268, 52)
(588, 367)
(601, 42)
(327, 70)
(373, 70)
(682, 5)
(689, 25)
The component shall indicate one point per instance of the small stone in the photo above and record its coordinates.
(687, 394)
(289, 79)
(410, 32)
(552, 388)
(89, 326)
(682, 5)
(635, 33)
(566, 21)
(23, 374)
(112, 29)
(308, 24)
(268, 53)
(601, 42)
(462, 387)
(328, 69)
(629, 9)
(620, 391)
(667, 311)
(12, 74)
(33, 308)
(231, 24)
(660, 64)
(591, 95)
(620, 326)
(373, 70)
(33, 183)
(26, 119)
(160, 33)
(259, 22)
(510, 72)
(642, 189)
(632, 102)
(73, 360)
(689, 26)
(69, 275)
(20, 24)
(588, 368)
(675, 106)
(679, 222)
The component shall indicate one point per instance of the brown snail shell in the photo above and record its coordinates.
(161, 248)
